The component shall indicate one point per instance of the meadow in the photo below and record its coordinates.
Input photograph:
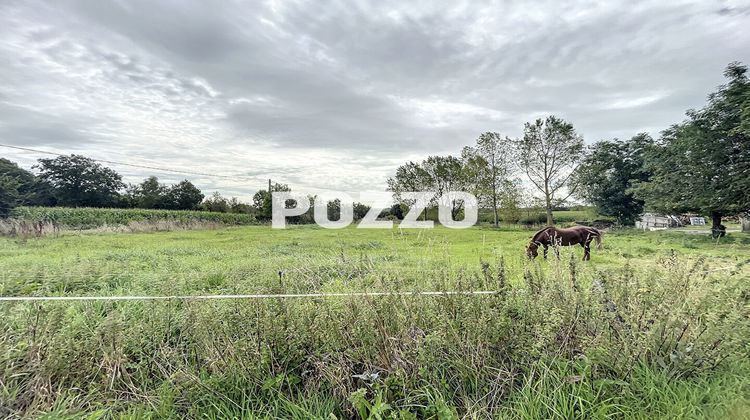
(656, 325)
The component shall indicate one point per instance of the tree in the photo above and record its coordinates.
(703, 163)
(333, 209)
(79, 181)
(184, 196)
(487, 167)
(262, 200)
(445, 174)
(30, 190)
(216, 203)
(8, 195)
(397, 211)
(548, 153)
(237, 206)
(150, 194)
(410, 177)
(438, 174)
(607, 173)
(360, 210)
(511, 200)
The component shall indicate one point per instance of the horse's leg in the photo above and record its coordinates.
(586, 250)
(546, 248)
(557, 250)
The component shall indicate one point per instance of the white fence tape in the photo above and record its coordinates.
(248, 296)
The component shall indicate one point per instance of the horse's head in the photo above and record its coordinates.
(532, 250)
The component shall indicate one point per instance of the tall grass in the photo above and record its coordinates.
(32, 218)
(559, 339)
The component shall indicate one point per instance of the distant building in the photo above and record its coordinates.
(692, 219)
(651, 221)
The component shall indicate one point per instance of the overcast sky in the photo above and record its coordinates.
(337, 94)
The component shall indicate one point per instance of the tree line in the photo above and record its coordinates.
(547, 154)
(701, 164)
(78, 181)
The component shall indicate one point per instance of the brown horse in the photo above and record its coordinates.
(552, 236)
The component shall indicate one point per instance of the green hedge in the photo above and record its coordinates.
(85, 218)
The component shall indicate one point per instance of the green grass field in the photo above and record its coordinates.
(656, 325)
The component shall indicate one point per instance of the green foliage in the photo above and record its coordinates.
(376, 410)
(548, 153)
(9, 195)
(398, 210)
(511, 198)
(185, 196)
(150, 194)
(703, 163)
(86, 218)
(360, 210)
(263, 203)
(236, 206)
(608, 172)
(409, 177)
(216, 203)
(487, 166)
(436, 174)
(19, 187)
(80, 182)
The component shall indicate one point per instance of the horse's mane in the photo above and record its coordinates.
(538, 234)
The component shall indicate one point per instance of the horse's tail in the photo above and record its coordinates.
(598, 239)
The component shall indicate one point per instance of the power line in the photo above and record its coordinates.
(133, 165)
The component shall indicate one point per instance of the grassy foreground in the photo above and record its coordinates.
(656, 325)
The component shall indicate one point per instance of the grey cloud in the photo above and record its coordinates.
(26, 127)
(258, 87)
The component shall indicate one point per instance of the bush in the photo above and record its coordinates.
(534, 219)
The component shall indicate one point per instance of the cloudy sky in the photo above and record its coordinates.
(334, 95)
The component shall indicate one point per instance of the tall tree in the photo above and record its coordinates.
(216, 203)
(150, 194)
(184, 196)
(27, 189)
(410, 177)
(488, 165)
(608, 172)
(445, 174)
(703, 163)
(438, 174)
(263, 203)
(360, 210)
(79, 181)
(511, 200)
(549, 153)
(9, 196)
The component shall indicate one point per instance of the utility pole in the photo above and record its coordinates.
(269, 185)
